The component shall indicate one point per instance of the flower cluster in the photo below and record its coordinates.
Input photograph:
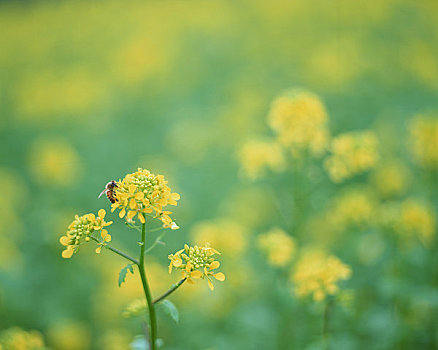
(411, 218)
(278, 246)
(300, 121)
(354, 207)
(18, 339)
(142, 192)
(81, 230)
(352, 153)
(256, 156)
(424, 140)
(197, 262)
(317, 274)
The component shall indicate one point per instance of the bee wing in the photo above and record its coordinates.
(101, 193)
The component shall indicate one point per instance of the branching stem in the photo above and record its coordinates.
(170, 291)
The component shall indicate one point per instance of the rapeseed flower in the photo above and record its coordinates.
(81, 230)
(351, 154)
(142, 193)
(197, 262)
(317, 274)
(299, 120)
(278, 246)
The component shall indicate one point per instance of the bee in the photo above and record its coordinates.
(109, 190)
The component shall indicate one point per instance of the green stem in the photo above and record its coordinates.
(147, 292)
(119, 252)
(326, 320)
(170, 291)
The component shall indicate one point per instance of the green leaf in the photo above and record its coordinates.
(170, 309)
(123, 272)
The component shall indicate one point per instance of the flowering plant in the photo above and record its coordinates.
(142, 195)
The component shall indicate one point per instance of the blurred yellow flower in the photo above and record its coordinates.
(142, 192)
(278, 246)
(69, 335)
(54, 162)
(18, 339)
(424, 140)
(317, 274)
(299, 119)
(197, 262)
(353, 207)
(417, 218)
(351, 154)
(81, 230)
(228, 236)
(391, 178)
(257, 156)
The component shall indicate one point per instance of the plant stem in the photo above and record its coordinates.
(170, 291)
(147, 292)
(119, 252)
(326, 320)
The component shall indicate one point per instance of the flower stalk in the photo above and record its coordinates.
(170, 291)
(147, 292)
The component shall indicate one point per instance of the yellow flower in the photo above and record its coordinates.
(317, 274)
(424, 140)
(197, 262)
(141, 193)
(352, 154)
(81, 230)
(278, 246)
(256, 156)
(300, 121)
(18, 339)
(411, 218)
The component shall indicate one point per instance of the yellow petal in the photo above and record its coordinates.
(64, 240)
(214, 265)
(91, 217)
(219, 276)
(170, 267)
(177, 262)
(190, 281)
(141, 217)
(132, 188)
(104, 233)
(210, 285)
(131, 214)
(175, 196)
(66, 254)
(132, 203)
(101, 213)
(196, 274)
(98, 249)
(107, 238)
(139, 196)
(188, 266)
(122, 213)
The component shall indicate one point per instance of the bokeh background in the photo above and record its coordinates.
(89, 91)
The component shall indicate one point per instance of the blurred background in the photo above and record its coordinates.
(89, 91)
